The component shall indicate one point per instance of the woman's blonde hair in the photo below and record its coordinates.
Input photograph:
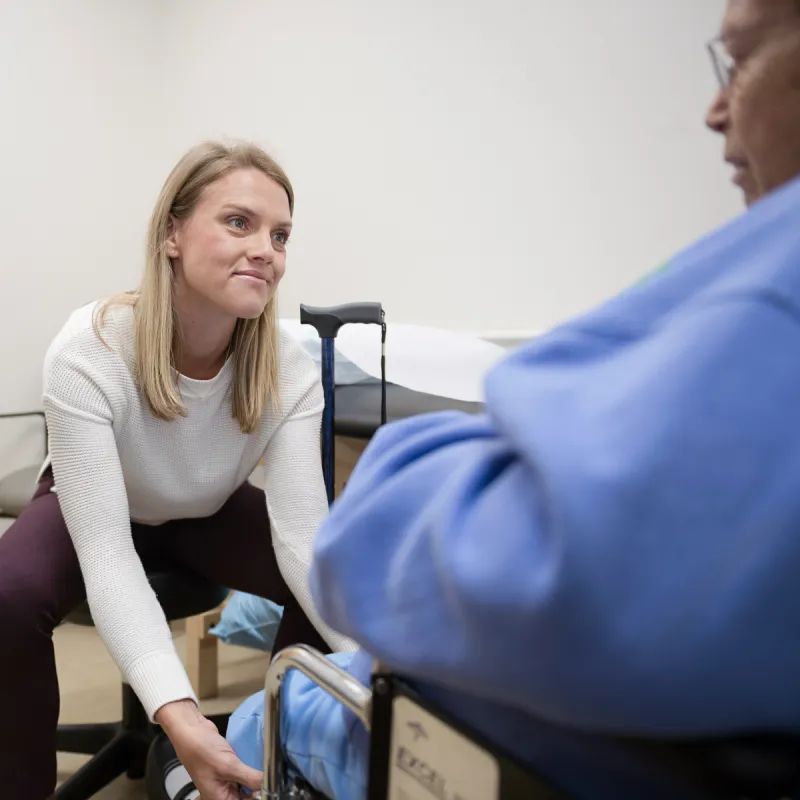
(254, 345)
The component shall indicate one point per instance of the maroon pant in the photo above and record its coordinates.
(40, 583)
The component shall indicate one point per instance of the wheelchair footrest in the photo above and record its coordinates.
(300, 790)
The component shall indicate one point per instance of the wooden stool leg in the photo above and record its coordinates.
(202, 655)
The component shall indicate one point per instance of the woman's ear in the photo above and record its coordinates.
(173, 231)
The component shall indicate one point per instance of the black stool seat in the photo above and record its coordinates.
(180, 594)
(122, 747)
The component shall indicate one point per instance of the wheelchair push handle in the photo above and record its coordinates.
(329, 320)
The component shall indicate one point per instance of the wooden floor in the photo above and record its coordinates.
(90, 690)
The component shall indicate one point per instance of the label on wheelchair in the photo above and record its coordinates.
(429, 759)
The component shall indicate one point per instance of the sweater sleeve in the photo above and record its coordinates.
(613, 545)
(297, 504)
(80, 397)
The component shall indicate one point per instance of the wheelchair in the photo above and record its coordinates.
(416, 753)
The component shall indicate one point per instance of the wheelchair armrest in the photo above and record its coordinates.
(328, 676)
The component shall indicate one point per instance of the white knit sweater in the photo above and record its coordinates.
(113, 461)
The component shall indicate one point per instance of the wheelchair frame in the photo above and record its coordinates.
(334, 680)
(415, 751)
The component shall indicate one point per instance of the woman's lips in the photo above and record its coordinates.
(252, 275)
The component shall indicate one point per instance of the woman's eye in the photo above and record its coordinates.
(239, 223)
(281, 237)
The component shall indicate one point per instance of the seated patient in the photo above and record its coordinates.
(612, 547)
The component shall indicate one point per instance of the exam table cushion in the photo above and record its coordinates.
(358, 407)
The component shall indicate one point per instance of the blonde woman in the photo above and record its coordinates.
(160, 403)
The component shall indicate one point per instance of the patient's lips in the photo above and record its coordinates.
(740, 169)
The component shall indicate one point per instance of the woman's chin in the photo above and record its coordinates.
(248, 304)
(251, 309)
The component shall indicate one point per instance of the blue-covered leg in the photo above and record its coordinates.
(322, 741)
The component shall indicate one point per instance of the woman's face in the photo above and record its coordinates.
(230, 253)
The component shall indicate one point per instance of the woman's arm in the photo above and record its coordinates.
(297, 504)
(93, 500)
(613, 546)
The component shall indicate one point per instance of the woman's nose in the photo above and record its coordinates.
(261, 248)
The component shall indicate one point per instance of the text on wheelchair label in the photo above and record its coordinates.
(429, 759)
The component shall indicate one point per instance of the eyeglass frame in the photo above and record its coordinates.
(718, 50)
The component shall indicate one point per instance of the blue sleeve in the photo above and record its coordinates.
(613, 544)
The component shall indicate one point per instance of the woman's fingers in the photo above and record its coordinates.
(246, 776)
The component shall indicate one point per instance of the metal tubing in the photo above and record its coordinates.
(333, 679)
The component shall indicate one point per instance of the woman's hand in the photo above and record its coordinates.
(215, 769)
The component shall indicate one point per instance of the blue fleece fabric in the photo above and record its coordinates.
(327, 746)
(612, 548)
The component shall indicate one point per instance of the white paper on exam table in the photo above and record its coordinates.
(425, 359)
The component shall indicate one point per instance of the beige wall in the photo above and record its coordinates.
(485, 165)
(79, 164)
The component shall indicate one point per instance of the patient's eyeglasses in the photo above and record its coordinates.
(725, 66)
(722, 61)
